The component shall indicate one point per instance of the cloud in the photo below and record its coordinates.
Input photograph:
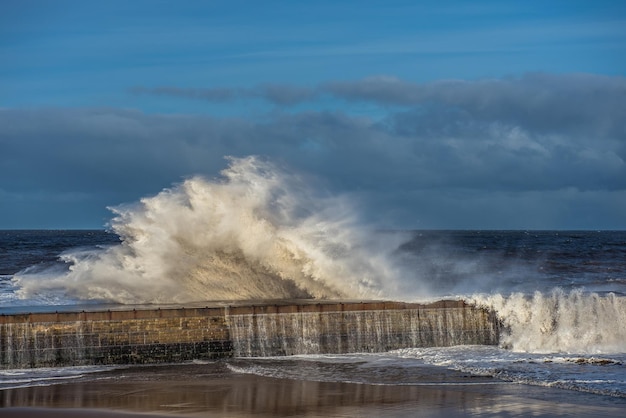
(213, 95)
(546, 103)
(535, 151)
(541, 102)
(283, 94)
(277, 94)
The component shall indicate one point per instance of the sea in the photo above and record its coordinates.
(561, 295)
(260, 233)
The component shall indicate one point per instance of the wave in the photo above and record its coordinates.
(46, 376)
(258, 232)
(263, 232)
(559, 321)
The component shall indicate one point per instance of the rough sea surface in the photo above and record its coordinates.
(262, 233)
(561, 295)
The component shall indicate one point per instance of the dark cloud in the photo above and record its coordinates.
(277, 94)
(541, 151)
(283, 94)
(213, 95)
(571, 104)
(541, 102)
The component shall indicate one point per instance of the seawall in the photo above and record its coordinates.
(269, 329)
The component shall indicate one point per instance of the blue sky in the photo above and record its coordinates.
(435, 114)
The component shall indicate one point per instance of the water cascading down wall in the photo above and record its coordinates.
(180, 334)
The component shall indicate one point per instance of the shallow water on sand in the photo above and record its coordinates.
(562, 296)
(237, 388)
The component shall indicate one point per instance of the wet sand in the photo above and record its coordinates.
(204, 391)
(71, 413)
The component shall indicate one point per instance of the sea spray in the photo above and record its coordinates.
(560, 322)
(258, 232)
(498, 264)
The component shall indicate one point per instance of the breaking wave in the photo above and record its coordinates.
(262, 232)
(259, 232)
(558, 321)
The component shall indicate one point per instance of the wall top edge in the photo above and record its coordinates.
(217, 309)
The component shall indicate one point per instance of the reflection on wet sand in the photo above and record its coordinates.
(214, 390)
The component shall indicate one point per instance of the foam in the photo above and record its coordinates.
(257, 232)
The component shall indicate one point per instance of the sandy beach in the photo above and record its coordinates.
(211, 390)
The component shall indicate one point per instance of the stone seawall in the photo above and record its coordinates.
(182, 334)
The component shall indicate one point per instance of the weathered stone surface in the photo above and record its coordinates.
(181, 334)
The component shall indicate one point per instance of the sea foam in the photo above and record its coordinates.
(560, 322)
(258, 232)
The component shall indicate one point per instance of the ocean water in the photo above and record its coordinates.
(561, 295)
(262, 233)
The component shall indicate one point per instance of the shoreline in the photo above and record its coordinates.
(214, 390)
(28, 412)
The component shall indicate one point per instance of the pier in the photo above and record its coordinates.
(176, 334)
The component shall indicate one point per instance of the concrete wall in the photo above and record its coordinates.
(112, 337)
(175, 335)
(358, 327)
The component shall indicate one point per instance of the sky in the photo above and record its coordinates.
(431, 114)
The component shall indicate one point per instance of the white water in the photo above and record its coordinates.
(560, 322)
(436, 366)
(261, 232)
(45, 376)
(600, 374)
(257, 233)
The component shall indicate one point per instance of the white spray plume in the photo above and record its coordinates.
(259, 232)
(558, 321)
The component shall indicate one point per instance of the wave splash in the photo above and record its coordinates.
(560, 322)
(259, 232)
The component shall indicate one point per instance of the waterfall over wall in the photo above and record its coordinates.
(182, 334)
(377, 328)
